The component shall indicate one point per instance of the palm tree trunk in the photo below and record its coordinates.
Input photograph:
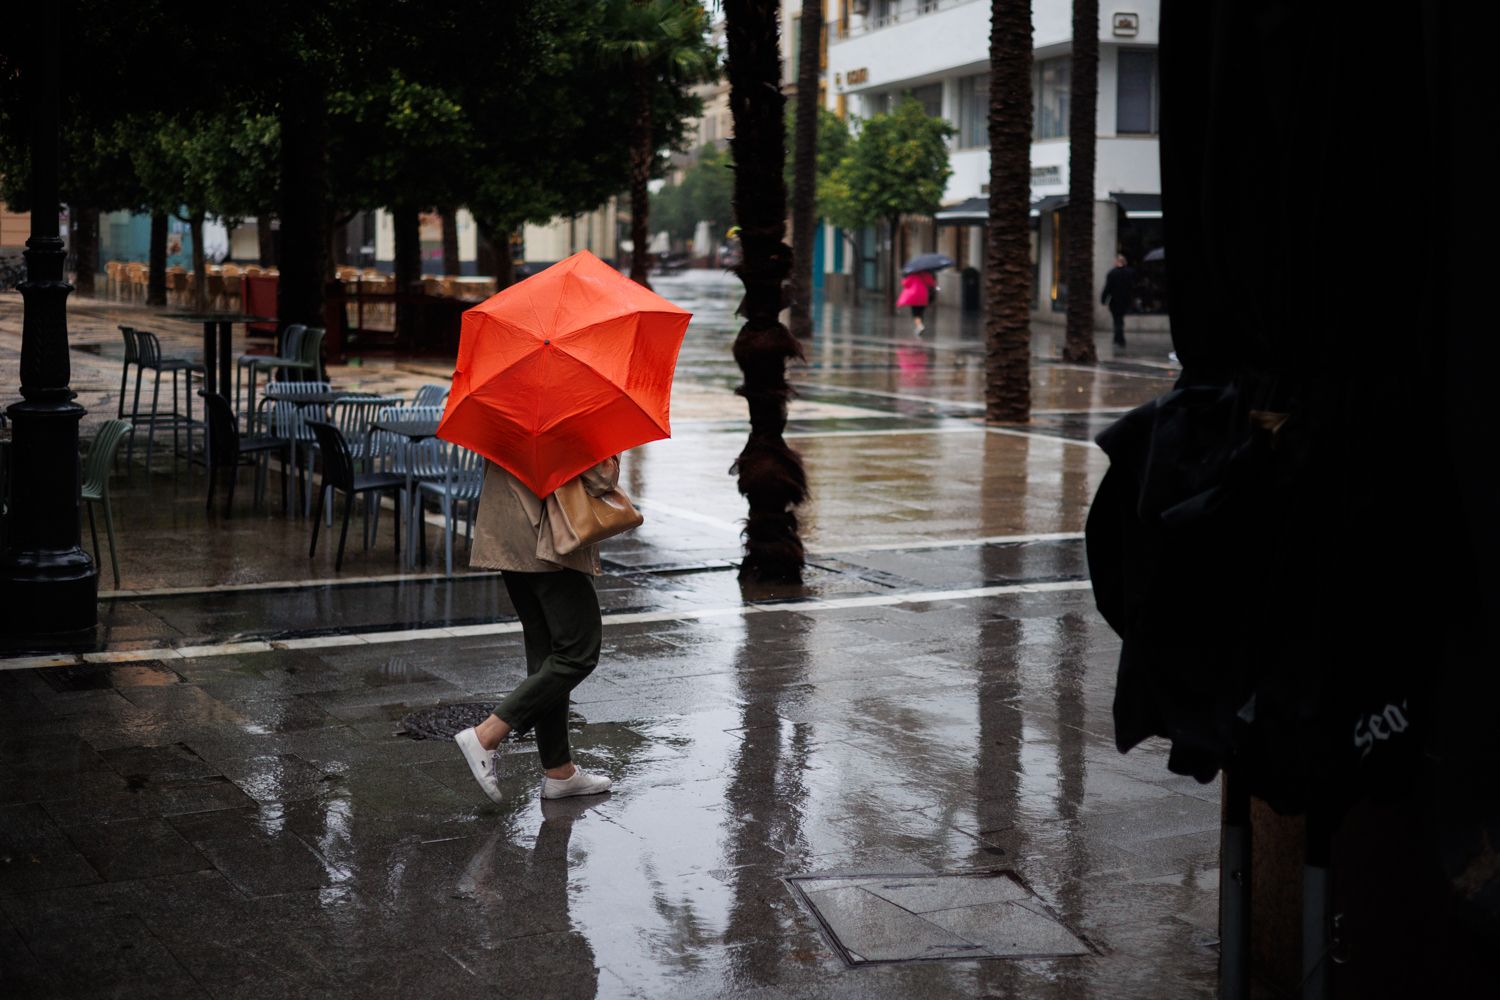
(1007, 393)
(156, 279)
(1082, 129)
(771, 477)
(805, 170)
(451, 264)
(641, 155)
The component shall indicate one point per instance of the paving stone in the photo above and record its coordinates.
(35, 854)
(872, 929)
(135, 848)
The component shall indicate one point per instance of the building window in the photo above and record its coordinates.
(1051, 100)
(1136, 111)
(974, 111)
(930, 97)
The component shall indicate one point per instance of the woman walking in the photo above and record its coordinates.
(553, 594)
(916, 291)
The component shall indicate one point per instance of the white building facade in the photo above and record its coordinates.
(937, 52)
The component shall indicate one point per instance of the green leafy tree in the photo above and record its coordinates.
(660, 44)
(402, 144)
(896, 165)
(832, 146)
(705, 194)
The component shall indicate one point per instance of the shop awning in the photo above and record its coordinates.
(976, 211)
(1138, 206)
(973, 212)
(1048, 205)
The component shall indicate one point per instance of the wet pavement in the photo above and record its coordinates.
(897, 780)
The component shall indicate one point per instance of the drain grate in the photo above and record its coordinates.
(445, 721)
(904, 918)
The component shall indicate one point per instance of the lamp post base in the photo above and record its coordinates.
(48, 583)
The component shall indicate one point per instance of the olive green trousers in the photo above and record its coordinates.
(562, 629)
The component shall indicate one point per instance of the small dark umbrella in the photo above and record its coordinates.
(927, 262)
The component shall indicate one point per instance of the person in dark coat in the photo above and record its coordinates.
(1119, 292)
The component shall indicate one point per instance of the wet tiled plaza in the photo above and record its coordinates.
(898, 780)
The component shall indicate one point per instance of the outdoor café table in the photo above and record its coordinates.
(217, 330)
(414, 431)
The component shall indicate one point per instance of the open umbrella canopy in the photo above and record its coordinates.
(927, 262)
(562, 370)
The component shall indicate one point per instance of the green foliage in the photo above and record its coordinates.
(705, 194)
(833, 146)
(398, 142)
(663, 41)
(520, 111)
(896, 164)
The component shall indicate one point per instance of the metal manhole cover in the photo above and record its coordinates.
(903, 918)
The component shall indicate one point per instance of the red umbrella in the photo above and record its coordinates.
(563, 370)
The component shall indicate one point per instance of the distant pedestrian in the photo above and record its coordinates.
(561, 628)
(917, 289)
(1119, 293)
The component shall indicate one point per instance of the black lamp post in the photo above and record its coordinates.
(48, 583)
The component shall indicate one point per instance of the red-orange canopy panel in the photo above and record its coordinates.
(562, 370)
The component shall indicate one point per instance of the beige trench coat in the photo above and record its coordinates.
(511, 531)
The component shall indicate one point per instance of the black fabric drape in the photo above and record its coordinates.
(1297, 543)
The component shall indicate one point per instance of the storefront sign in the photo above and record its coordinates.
(856, 76)
(1127, 25)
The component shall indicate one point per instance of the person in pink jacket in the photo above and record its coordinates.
(916, 291)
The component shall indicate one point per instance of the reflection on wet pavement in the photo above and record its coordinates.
(215, 799)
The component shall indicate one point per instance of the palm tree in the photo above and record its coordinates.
(771, 477)
(805, 171)
(1008, 263)
(1078, 252)
(655, 41)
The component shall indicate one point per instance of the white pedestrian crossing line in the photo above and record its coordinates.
(240, 647)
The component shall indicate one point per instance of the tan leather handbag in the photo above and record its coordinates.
(579, 520)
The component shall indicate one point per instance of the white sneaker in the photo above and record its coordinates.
(481, 763)
(581, 783)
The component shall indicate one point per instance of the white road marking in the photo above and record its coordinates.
(948, 543)
(505, 628)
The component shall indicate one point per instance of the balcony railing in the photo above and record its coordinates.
(855, 25)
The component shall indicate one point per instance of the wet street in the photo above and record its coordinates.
(898, 780)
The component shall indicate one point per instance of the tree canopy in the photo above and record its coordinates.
(896, 164)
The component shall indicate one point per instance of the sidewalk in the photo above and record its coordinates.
(221, 798)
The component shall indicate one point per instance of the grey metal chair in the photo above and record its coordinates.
(300, 359)
(95, 488)
(463, 476)
(131, 357)
(431, 394)
(228, 449)
(339, 474)
(286, 419)
(149, 358)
